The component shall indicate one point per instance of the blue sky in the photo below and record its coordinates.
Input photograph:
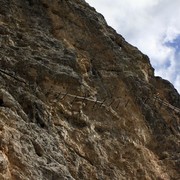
(175, 43)
(151, 25)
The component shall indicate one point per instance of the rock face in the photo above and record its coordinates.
(77, 101)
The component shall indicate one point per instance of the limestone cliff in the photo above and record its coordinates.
(77, 101)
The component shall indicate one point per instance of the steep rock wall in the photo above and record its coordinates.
(77, 101)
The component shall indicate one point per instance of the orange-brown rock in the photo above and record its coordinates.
(79, 102)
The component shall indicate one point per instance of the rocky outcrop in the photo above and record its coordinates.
(77, 101)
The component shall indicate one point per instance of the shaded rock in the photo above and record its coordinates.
(3, 163)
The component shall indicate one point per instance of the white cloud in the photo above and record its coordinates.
(149, 25)
(176, 83)
(171, 34)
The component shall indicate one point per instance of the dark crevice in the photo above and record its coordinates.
(1, 102)
(40, 120)
(38, 149)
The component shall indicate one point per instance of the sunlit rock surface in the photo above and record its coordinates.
(77, 101)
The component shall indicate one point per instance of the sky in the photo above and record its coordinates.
(151, 25)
